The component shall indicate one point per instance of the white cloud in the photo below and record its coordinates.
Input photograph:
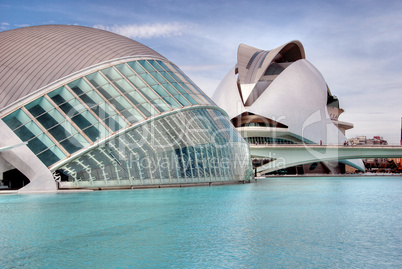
(22, 25)
(4, 26)
(145, 31)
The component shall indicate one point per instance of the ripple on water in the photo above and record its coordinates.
(283, 223)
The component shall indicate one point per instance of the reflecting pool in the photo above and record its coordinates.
(335, 222)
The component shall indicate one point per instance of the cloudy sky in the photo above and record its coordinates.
(356, 44)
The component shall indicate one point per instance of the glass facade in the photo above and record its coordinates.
(191, 146)
(98, 106)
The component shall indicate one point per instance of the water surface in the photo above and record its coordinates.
(275, 223)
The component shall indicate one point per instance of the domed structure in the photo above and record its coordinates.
(99, 110)
(33, 57)
(277, 96)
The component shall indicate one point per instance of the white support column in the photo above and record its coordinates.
(22, 158)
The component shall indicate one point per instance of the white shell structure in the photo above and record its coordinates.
(278, 96)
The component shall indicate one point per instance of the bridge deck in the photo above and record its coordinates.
(288, 155)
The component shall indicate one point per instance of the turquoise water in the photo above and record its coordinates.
(274, 223)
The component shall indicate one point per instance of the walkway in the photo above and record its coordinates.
(288, 155)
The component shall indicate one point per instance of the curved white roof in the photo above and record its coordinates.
(253, 62)
(229, 94)
(33, 57)
(296, 96)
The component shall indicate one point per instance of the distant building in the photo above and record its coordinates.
(99, 110)
(277, 96)
(363, 140)
(376, 164)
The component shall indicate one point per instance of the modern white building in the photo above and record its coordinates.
(277, 97)
(86, 108)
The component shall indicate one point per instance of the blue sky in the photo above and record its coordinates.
(355, 44)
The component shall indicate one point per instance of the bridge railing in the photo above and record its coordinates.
(324, 145)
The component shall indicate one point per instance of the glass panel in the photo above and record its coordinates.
(192, 87)
(51, 156)
(72, 107)
(160, 105)
(181, 100)
(132, 115)
(155, 65)
(59, 132)
(191, 99)
(16, 119)
(28, 131)
(96, 79)
(108, 91)
(137, 82)
(148, 79)
(148, 93)
(178, 87)
(174, 76)
(178, 72)
(115, 123)
(135, 98)
(100, 111)
(123, 86)
(173, 103)
(146, 65)
(74, 143)
(60, 95)
(170, 68)
(184, 86)
(202, 99)
(51, 118)
(136, 67)
(40, 143)
(162, 64)
(147, 110)
(84, 120)
(120, 103)
(125, 70)
(39, 106)
(91, 98)
(79, 86)
(158, 77)
(170, 89)
(111, 74)
(160, 90)
(95, 132)
(167, 76)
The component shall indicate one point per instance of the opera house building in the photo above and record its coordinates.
(277, 97)
(86, 108)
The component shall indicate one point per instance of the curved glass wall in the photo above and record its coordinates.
(97, 105)
(140, 122)
(190, 146)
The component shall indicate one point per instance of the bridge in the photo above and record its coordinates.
(289, 155)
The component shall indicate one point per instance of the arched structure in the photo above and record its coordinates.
(287, 156)
(99, 110)
(277, 96)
